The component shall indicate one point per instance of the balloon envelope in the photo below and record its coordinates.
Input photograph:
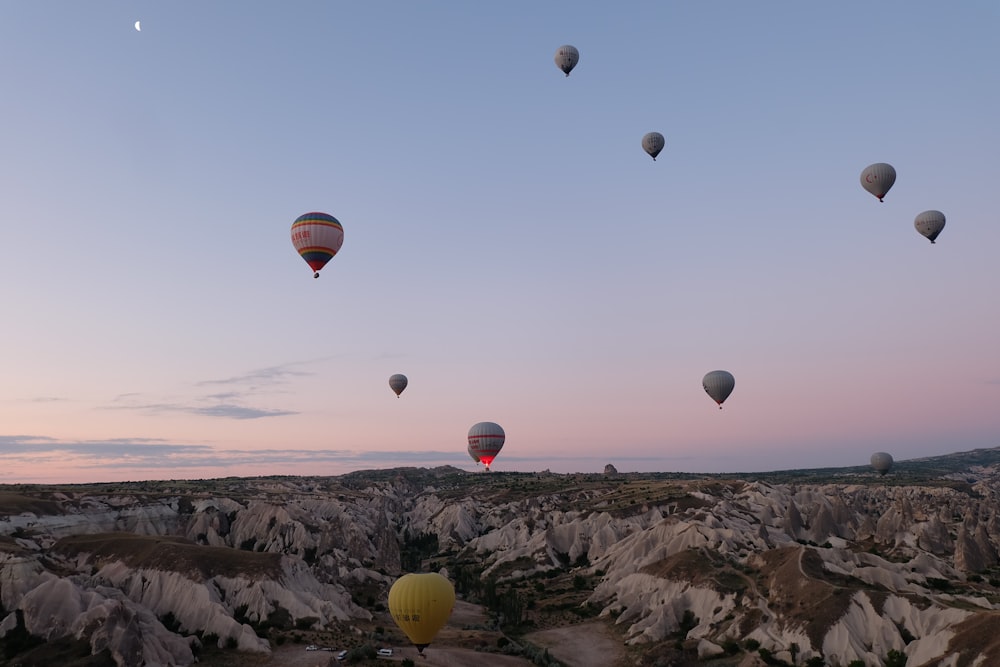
(881, 462)
(485, 441)
(719, 385)
(930, 224)
(566, 58)
(878, 178)
(653, 143)
(420, 604)
(398, 383)
(317, 237)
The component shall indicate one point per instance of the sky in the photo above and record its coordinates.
(508, 245)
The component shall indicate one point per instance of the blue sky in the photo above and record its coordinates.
(508, 245)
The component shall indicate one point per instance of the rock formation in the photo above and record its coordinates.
(839, 570)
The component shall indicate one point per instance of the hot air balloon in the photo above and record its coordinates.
(653, 143)
(485, 441)
(475, 457)
(398, 383)
(882, 462)
(566, 58)
(930, 224)
(878, 178)
(421, 604)
(719, 385)
(317, 237)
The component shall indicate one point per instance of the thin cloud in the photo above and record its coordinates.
(164, 460)
(26, 447)
(239, 412)
(263, 376)
(224, 410)
(236, 402)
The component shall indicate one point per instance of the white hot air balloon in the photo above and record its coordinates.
(930, 224)
(878, 178)
(566, 58)
(485, 441)
(653, 143)
(398, 383)
(881, 462)
(719, 385)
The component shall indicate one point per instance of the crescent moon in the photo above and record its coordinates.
(138, 27)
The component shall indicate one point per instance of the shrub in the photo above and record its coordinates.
(306, 622)
(895, 659)
(730, 647)
(688, 622)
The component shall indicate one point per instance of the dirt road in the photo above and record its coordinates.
(583, 645)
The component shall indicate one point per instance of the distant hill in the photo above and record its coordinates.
(804, 567)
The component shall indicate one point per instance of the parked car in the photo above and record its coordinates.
(312, 647)
(341, 655)
(385, 652)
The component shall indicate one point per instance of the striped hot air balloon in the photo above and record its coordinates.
(485, 441)
(317, 237)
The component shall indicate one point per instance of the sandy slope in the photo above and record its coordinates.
(583, 645)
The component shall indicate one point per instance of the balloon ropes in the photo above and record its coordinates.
(485, 441)
(317, 237)
(719, 385)
(420, 604)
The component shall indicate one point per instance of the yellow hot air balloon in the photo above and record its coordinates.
(421, 604)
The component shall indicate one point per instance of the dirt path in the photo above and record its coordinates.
(434, 656)
(582, 645)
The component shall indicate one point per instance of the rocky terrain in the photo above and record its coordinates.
(835, 567)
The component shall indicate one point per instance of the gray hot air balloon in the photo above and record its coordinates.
(719, 385)
(930, 224)
(566, 58)
(398, 383)
(653, 143)
(882, 462)
(878, 178)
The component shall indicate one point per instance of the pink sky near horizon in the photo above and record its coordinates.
(508, 245)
